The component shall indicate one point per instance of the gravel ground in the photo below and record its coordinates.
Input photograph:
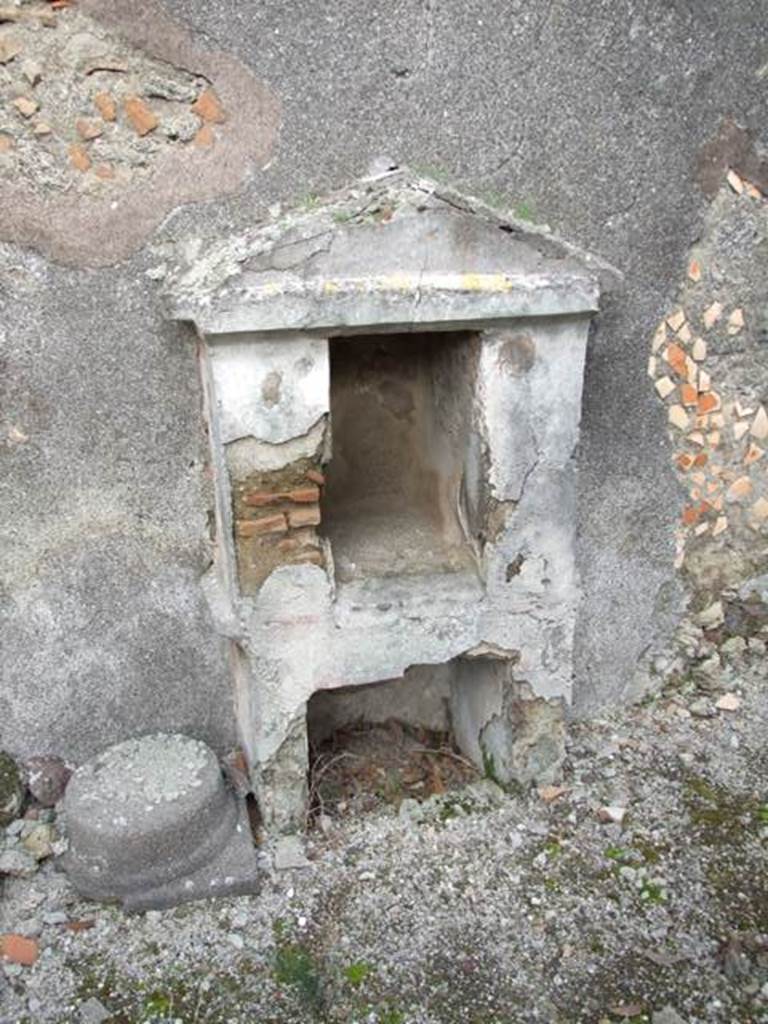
(478, 907)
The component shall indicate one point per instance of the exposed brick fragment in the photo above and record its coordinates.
(105, 105)
(315, 476)
(208, 107)
(701, 459)
(688, 394)
(304, 516)
(690, 515)
(260, 498)
(259, 527)
(142, 119)
(18, 949)
(204, 137)
(6, 143)
(675, 356)
(104, 171)
(707, 402)
(79, 158)
(684, 462)
(304, 495)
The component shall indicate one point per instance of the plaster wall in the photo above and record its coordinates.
(602, 119)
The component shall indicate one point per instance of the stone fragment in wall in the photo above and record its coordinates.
(676, 319)
(6, 143)
(9, 50)
(760, 509)
(47, 778)
(729, 701)
(759, 427)
(712, 314)
(721, 524)
(678, 417)
(87, 129)
(652, 366)
(664, 386)
(694, 270)
(41, 128)
(32, 71)
(699, 350)
(105, 172)
(711, 617)
(26, 106)
(659, 337)
(740, 489)
(735, 321)
(739, 430)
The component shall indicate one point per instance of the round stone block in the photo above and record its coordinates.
(150, 822)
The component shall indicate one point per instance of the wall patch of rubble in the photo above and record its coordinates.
(109, 118)
(708, 366)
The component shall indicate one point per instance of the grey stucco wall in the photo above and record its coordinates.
(592, 117)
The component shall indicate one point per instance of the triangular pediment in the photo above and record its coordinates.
(391, 250)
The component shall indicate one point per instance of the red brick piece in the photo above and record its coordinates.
(6, 143)
(707, 402)
(105, 105)
(258, 527)
(204, 138)
(142, 119)
(208, 107)
(304, 495)
(304, 516)
(79, 158)
(18, 949)
(260, 498)
(676, 359)
(315, 476)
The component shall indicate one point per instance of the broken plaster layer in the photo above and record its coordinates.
(275, 394)
(304, 631)
(99, 229)
(403, 301)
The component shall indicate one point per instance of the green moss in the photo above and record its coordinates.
(356, 973)
(295, 967)
(719, 815)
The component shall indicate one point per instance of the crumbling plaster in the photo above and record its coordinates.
(600, 119)
(308, 628)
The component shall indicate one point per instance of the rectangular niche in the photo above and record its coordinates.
(394, 503)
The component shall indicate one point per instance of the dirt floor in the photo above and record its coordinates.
(634, 892)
